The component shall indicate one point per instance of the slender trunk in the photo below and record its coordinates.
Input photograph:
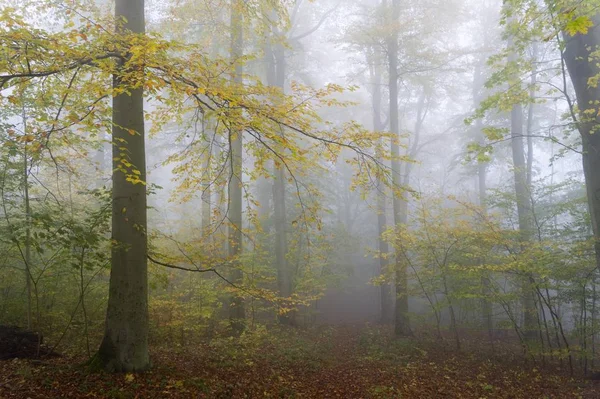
(530, 116)
(486, 284)
(82, 301)
(593, 322)
(546, 328)
(387, 306)
(28, 276)
(27, 259)
(522, 191)
(125, 344)
(402, 322)
(263, 185)
(284, 280)
(276, 76)
(584, 321)
(524, 210)
(453, 324)
(237, 312)
(205, 196)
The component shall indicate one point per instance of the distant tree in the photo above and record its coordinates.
(523, 196)
(402, 322)
(237, 313)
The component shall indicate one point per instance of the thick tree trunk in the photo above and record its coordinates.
(237, 312)
(402, 322)
(125, 343)
(581, 67)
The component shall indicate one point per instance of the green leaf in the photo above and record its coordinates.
(580, 24)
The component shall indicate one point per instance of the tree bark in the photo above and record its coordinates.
(387, 306)
(402, 322)
(524, 209)
(578, 59)
(486, 286)
(522, 191)
(284, 277)
(206, 195)
(237, 312)
(125, 344)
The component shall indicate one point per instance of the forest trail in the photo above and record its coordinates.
(340, 362)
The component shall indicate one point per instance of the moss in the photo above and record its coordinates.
(103, 360)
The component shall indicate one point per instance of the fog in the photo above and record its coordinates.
(223, 167)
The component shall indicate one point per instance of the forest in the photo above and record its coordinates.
(299, 199)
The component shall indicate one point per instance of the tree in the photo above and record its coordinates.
(237, 313)
(125, 343)
(179, 79)
(580, 57)
(402, 322)
(387, 306)
(277, 45)
(523, 195)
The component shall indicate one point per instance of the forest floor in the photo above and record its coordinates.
(340, 362)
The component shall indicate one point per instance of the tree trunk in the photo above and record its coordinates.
(387, 306)
(577, 56)
(284, 277)
(486, 284)
(524, 209)
(522, 191)
(276, 75)
(402, 323)
(205, 196)
(27, 258)
(125, 344)
(237, 313)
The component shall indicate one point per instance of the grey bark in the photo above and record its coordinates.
(206, 194)
(125, 344)
(402, 322)
(28, 275)
(237, 312)
(524, 210)
(284, 276)
(577, 56)
(486, 286)
(387, 306)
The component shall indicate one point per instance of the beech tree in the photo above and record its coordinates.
(523, 200)
(178, 78)
(236, 306)
(580, 56)
(125, 343)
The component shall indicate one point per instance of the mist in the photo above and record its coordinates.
(248, 198)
